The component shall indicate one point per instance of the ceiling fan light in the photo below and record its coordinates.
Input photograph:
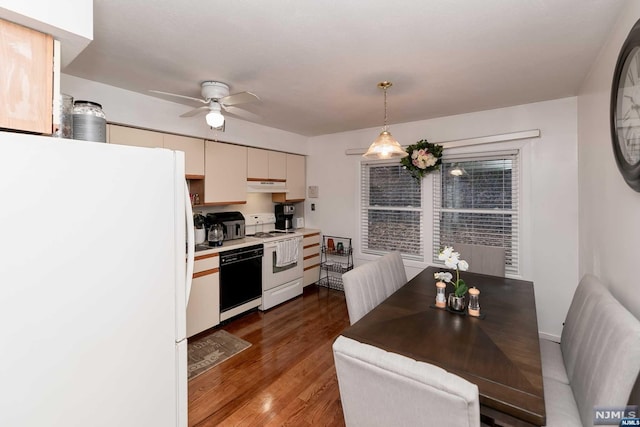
(385, 147)
(215, 119)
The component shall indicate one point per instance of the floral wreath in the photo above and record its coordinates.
(424, 157)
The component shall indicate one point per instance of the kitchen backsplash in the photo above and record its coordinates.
(256, 203)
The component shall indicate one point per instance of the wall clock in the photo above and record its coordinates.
(625, 109)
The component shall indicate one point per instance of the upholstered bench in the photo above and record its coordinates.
(597, 361)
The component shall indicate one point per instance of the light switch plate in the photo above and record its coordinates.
(313, 191)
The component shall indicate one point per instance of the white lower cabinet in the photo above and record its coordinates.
(203, 309)
(311, 245)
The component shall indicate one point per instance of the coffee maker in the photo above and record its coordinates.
(284, 216)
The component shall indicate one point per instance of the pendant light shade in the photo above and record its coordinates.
(385, 146)
(214, 118)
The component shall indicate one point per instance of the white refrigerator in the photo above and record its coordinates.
(93, 284)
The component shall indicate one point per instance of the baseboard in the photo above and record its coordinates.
(550, 337)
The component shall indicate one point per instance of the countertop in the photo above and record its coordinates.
(307, 231)
(203, 249)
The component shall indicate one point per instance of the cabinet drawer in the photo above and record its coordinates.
(311, 261)
(311, 240)
(206, 262)
(311, 250)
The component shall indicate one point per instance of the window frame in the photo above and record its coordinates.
(455, 148)
(524, 223)
(413, 260)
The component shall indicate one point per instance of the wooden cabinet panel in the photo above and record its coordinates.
(311, 256)
(296, 180)
(277, 165)
(124, 135)
(26, 79)
(225, 174)
(193, 152)
(257, 164)
(266, 164)
(203, 309)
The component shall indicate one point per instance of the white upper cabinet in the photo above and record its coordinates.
(225, 179)
(263, 165)
(193, 147)
(193, 153)
(296, 180)
(123, 135)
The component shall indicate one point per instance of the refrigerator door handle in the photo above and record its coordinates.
(190, 242)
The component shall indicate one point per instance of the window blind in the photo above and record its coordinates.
(476, 201)
(391, 210)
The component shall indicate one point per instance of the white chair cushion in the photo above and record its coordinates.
(600, 348)
(392, 270)
(560, 405)
(363, 290)
(552, 363)
(379, 388)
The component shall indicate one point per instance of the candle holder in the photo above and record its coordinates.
(474, 302)
(441, 301)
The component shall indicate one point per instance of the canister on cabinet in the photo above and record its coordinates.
(89, 121)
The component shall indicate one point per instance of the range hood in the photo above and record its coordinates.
(266, 187)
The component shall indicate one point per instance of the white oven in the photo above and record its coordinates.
(281, 281)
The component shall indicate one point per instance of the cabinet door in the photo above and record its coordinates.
(26, 79)
(266, 165)
(257, 164)
(124, 135)
(193, 153)
(277, 165)
(203, 309)
(225, 181)
(296, 177)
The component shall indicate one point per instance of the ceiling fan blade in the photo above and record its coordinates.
(241, 113)
(239, 98)
(180, 96)
(196, 111)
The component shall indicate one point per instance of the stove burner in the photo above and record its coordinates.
(263, 234)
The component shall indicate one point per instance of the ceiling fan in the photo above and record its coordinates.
(216, 96)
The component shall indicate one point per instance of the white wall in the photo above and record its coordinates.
(135, 109)
(553, 196)
(609, 209)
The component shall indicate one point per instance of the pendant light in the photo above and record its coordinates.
(385, 146)
(214, 118)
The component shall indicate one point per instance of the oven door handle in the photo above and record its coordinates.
(272, 244)
(235, 259)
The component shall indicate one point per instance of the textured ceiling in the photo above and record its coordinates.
(315, 64)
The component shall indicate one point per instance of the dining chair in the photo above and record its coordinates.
(363, 289)
(380, 388)
(482, 259)
(392, 271)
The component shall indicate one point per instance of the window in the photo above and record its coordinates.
(476, 202)
(391, 209)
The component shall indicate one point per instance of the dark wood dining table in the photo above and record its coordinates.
(499, 352)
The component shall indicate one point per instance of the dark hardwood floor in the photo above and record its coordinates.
(287, 377)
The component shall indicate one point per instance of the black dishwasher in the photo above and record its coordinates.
(240, 276)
